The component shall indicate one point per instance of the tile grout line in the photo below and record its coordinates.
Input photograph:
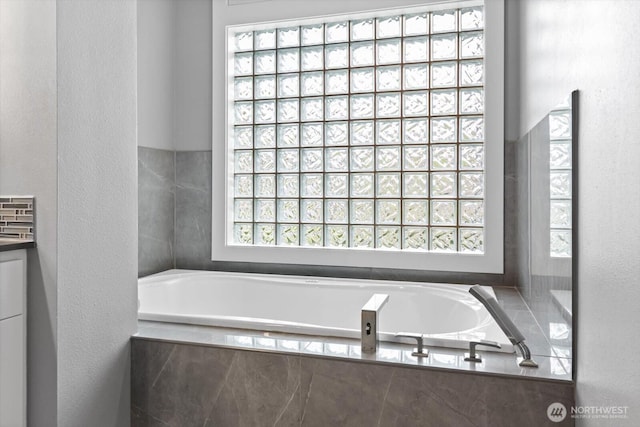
(175, 207)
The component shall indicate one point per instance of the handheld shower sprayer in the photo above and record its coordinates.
(506, 324)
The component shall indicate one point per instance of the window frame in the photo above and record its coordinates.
(491, 261)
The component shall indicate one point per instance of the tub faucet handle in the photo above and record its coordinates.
(420, 351)
(472, 356)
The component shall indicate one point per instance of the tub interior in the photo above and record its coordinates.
(317, 306)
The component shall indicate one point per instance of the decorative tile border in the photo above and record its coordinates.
(16, 217)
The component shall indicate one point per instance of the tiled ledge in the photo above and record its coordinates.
(495, 364)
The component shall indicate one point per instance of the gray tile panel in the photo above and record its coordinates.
(193, 209)
(156, 219)
(260, 389)
(342, 393)
(185, 384)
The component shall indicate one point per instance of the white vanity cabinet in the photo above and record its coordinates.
(13, 363)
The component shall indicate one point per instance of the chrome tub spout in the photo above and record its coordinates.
(369, 326)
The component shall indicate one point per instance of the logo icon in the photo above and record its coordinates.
(556, 412)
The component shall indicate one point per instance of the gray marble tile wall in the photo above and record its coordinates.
(190, 385)
(193, 234)
(193, 209)
(156, 205)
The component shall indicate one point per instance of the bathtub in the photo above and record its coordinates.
(446, 314)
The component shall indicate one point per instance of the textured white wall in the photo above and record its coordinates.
(97, 200)
(156, 40)
(192, 82)
(28, 166)
(591, 45)
(174, 74)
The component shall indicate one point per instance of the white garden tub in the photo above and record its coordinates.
(446, 314)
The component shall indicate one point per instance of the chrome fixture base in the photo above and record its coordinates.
(528, 363)
(472, 356)
(420, 351)
(476, 359)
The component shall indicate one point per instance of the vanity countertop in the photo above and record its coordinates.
(7, 244)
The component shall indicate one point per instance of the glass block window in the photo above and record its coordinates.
(359, 133)
(560, 181)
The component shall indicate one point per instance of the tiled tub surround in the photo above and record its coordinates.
(16, 217)
(202, 376)
(192, 230)
(184, 194)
